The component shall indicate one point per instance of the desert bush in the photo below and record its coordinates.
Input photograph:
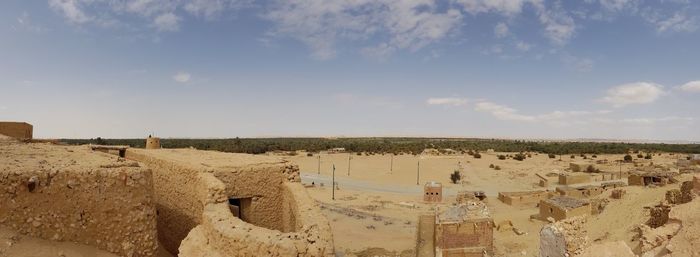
(519, 157)
(573, 156)
(503, 157)
(455, 177)
(628, 158)
(648, 157)
(477, 155)
(640, 156)
(552, 156)
(594, 156)
(497, 167)
(309, 154)
(590, 169)
(492, 166)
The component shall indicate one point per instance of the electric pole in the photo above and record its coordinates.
(319, 163)
(349, 157)
(333, 197)
(418, 173)
(391, 167)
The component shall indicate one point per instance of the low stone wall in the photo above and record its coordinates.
(70, 194)
(277, 219)
(524, 198)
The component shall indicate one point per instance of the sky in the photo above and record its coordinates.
(534, 69)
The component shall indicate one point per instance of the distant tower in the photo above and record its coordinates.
(152, 142)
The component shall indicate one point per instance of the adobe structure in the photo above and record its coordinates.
(17, 130)
(563, 207)
(194, 190)
(432, 192)
(582, 167)
(640, 178)
(152, 142)
(580, 192)
(564, 238)
(459, 230)
(524, 198)
(178, 198)
(577, 178)
(70, 193)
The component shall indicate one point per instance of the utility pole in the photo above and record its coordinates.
(349, 157)
(418, 174)
(391, 167)
(333, 184)
(319, 163)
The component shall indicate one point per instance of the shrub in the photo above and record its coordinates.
(519, 157)
(640, 156)
(491, 166)
(648, 157)
(503, 157)
(497, 167)
(594, 156)
(309, 154)
(552, 156)
(477, 155)
(455, 177)
(628, 158)
(573, 156)
(590, 169)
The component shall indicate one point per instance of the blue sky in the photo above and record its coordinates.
(617, 69)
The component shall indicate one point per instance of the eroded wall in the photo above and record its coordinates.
(281, 219)
(70, 194)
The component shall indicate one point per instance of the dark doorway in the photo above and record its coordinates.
(240, 207)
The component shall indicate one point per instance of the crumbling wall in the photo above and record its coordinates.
(18, 130)
(523, 198)
(570, 179)
(564, 238)
(468, 238)
(618, 193)
(69, 194)
(178, 196)
(550, 209)
(281, 219)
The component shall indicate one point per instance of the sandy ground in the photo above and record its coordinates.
(373, 206)
(13, 244)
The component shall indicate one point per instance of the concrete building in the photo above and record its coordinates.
(563, 207)
(432, 192)
(18, 130)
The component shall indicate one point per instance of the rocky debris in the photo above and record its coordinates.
(687, 193)
(658, 215)
(673, 196)
(608, 249)
(292, 172)
(566, 237)
(504, 225)
(618, 193)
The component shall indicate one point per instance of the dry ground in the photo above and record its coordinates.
(374, 214)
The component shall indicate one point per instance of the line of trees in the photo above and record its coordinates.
(398, 145)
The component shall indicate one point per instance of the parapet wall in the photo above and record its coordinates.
(278, 218)
(69, 194)
(18, 130)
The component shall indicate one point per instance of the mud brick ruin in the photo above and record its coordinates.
(432, 192)
(458, 230)
(563, 207)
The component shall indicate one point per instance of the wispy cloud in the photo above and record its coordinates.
(501, 30)
(449, 101)
(167, 22)
(633, 93)
(693, 86)
(182, 77)
(554, 118)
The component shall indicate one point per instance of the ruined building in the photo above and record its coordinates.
(563, 207)
(192, 203)
(464, 230)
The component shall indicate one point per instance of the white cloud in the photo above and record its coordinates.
(651, 121)
(167, 22)
(522, 46)
(502, 112)
(554, 118)
(618, 5)
(693, 86)
(320, 24)
(633, 93)
(677, 23)
(451, 101)
(182, 77)
(558, 25)
(506, 7)
(212, 8)
(70, 9)
(501, 30)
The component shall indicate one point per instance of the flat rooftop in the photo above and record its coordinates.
(44, 156)
(208, 159)
(567, 202)
(462, 212)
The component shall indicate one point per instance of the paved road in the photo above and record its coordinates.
(360, 185)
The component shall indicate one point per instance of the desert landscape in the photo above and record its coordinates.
(349, 128)
(189, 202)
